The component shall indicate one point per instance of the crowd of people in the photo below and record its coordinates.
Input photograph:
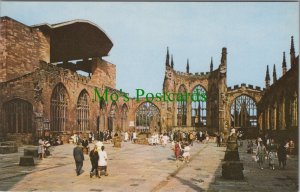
(98, 158)
(44, 144)
(268, 150)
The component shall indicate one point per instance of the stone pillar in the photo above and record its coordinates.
(189, 113)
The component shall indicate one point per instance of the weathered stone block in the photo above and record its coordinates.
(26, 161)
(33, 152)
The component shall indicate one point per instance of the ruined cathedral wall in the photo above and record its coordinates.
(23, 47)
(104, 73)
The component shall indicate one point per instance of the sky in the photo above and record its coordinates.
(255, 34)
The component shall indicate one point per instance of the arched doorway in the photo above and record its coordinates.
(124, 123)
(83, 114)
(147, 118)
(182, 107)
(244, 115)
(198, 108)
(18, 115)
(59, 108)
(112, 117)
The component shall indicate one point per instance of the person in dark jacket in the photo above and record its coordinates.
(94, 157)
(282, 152)
(78, 157)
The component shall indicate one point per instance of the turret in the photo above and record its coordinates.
(211, 64)
(187, 66)
(284, 64)
(224, 56)
(292, 52)
(267, 79)
(168, 58)
(274, 74)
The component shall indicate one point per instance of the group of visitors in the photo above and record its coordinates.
(131, 136)
(43, 148)
(44, 143)
(98, 158)
(182, 150)
(191, 136)
(270, 150)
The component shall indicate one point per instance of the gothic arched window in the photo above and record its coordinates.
(147, 116)
(18, 116)
(83, 111)
(59, 108)
(244, 112)
(198, 107)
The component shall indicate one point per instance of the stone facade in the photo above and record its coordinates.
(278, 108)
(38, 94)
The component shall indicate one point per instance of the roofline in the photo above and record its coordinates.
(53, 26)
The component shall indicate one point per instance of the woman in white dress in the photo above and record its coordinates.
(126, 137)
(186, 153)
(165, 139)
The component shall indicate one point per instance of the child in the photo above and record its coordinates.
(186, 153)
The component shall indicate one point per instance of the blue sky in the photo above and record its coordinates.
(255, 35)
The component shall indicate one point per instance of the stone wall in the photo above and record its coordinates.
(22, 48)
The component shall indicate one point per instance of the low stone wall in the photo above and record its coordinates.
(8, 147)
(20, 138)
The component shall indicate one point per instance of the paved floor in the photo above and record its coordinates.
(144, 168)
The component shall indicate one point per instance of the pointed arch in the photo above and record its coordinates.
(59, 108)
(198, 107)
(147, 117)
(182, 107)
(112, 115)
(18, 115)
(83, 112)
(244, 112)
(124, 122)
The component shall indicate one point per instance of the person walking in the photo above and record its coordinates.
(282, 152)
(134, 136)
(218, 140)
(260, 154)
(102, 162)
(41, 148)
(177, 150)
(186, 153)
(165, 139)
(94, 157)
(126, 136)
(272, 154)
(78, 157)
(191, 138)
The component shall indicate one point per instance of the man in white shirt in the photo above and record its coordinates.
(134, 136)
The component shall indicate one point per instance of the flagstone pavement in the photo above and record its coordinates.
(144, 168)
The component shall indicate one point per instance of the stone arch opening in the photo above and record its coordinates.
(59, 108)
(182, 107)
(198, 107)
(147, 117)
(112, 116)
(243, 112)
(83, 112)
(18, 116)
(124, 123)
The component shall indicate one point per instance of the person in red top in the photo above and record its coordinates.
(177, 150)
